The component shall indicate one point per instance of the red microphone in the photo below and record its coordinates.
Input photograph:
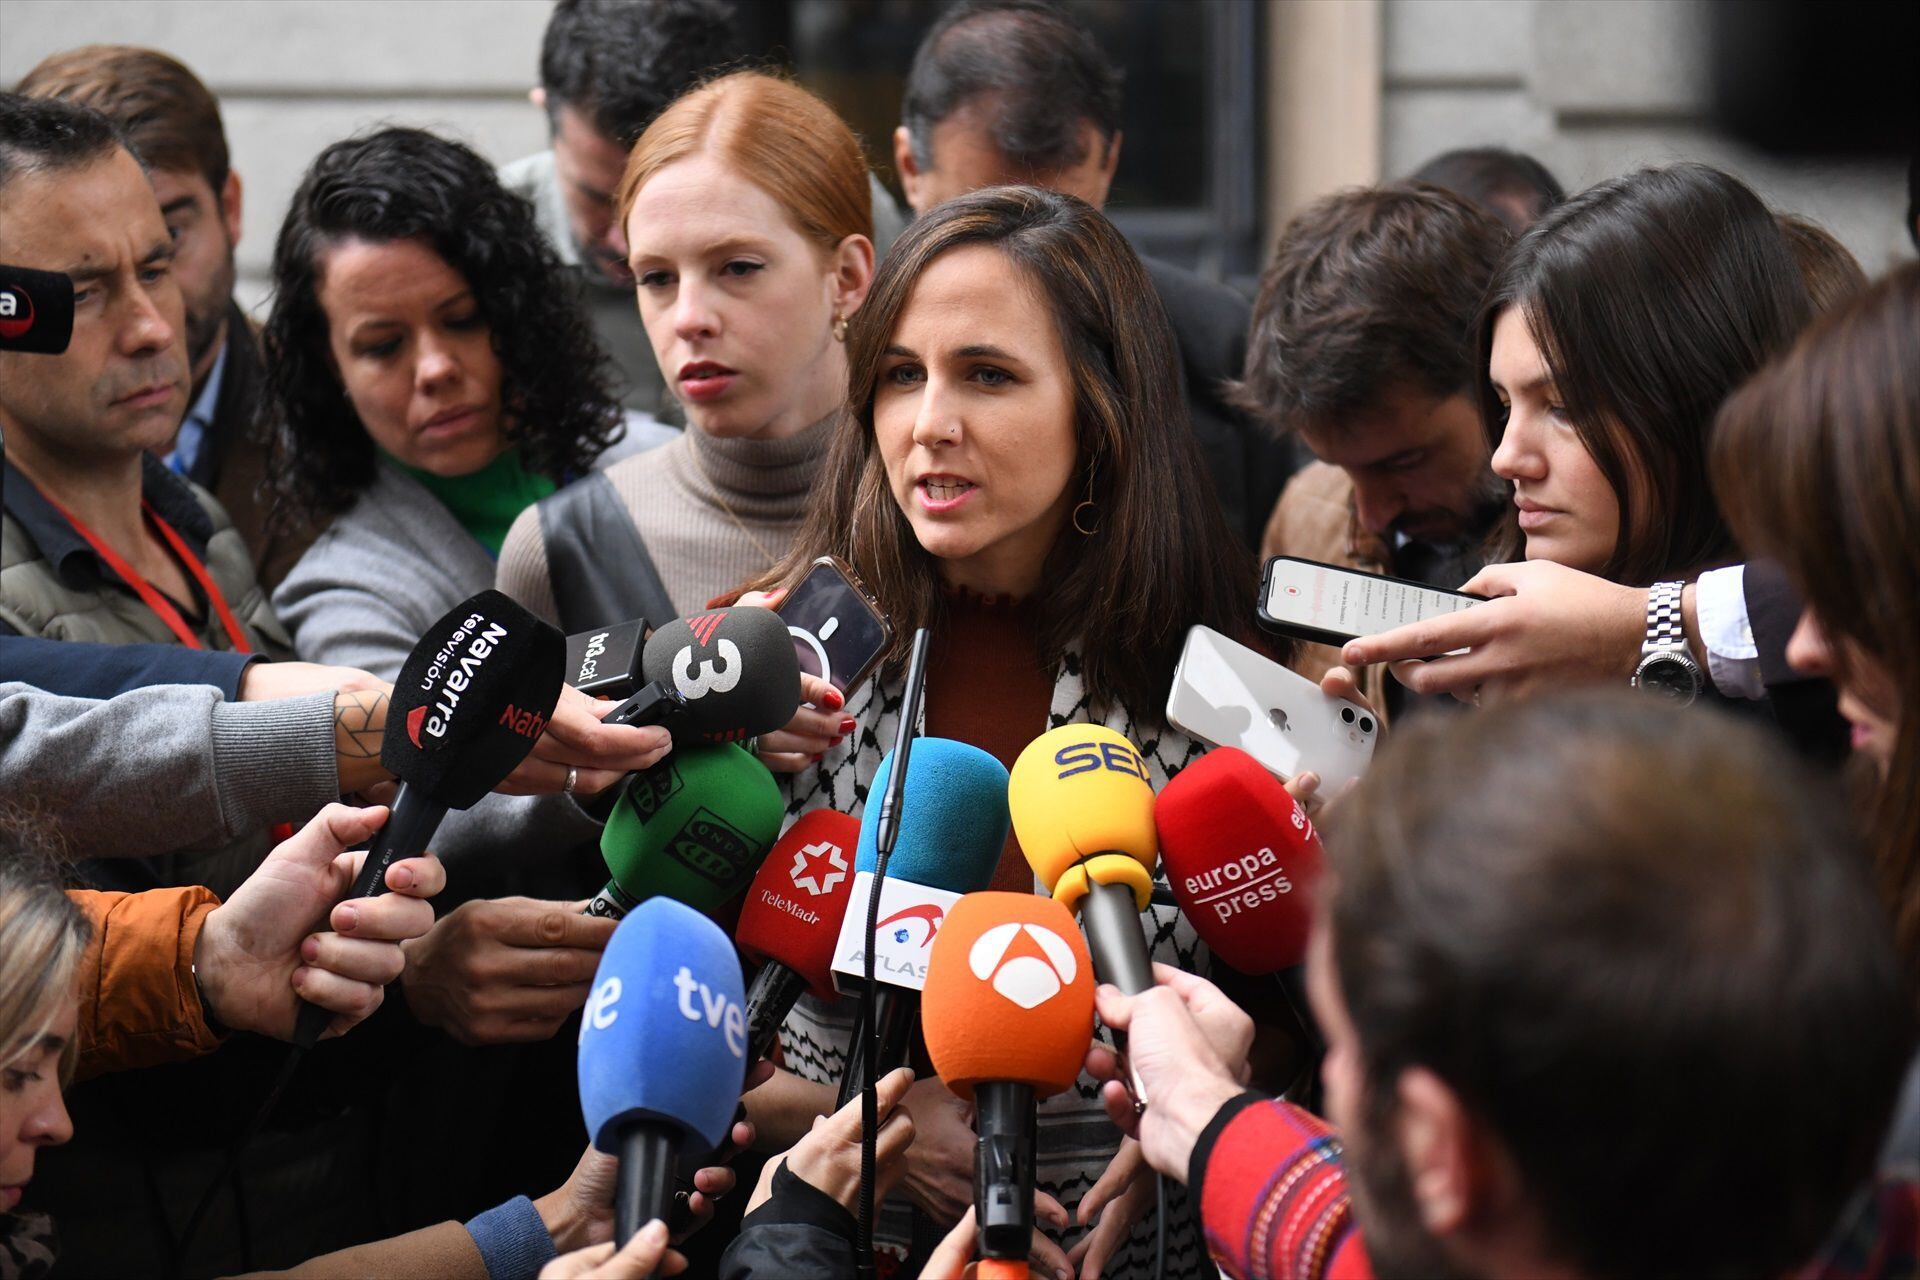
(791, 920)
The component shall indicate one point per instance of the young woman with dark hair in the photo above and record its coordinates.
(1610, 336)
(1016, 474)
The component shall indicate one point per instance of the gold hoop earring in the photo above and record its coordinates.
(839, 328)
(1081, 528)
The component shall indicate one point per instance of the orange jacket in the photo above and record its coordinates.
(138, 1002)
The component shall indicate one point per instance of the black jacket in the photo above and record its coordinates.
(799, 1231)
(1803, 706)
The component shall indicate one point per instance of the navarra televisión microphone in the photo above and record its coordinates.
(720, 676)
(1008, 1016)
(662, 1054)
(953, 825)
(693, 828)
(790, 922)
(472, 699)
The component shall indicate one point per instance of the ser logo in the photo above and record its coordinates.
(1029, 964)
(819, 867)
(1084, 757)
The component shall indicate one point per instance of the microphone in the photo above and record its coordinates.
(692, 828)
(1008, 1015)
(36, 311)
(1083, 809)
(605, 662)
(469, 704)
(720, 676)
(953, 825)
(662, 1055)
(791, 920)
(1243, 859)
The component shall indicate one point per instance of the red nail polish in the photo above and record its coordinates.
(834, 699)
(847, 725)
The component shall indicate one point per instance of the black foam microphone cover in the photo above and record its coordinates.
(36, 310)
(735, 667)
(472, 699)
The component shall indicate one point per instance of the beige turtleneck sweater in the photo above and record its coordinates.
(678, 496)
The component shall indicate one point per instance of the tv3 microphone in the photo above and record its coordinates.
(662, 1053)
(790, 922)
(606, 661)
(1008, 1016)
(36, 311)
(721, 676)
(952, 827)
(472, 699)
(693, 828)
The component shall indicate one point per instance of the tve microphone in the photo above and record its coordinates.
(1243, 859)
(663, 1052)
(605, 662)
(1008, 1016)
(469, 704)
(953, 824)
(791, 920)
(1083, 809)
(720, 676)
(693, 828)
(36, 311)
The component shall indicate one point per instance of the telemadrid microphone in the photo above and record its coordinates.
(1008, 1016)
(791, 920)
(952, 827)
(472, 699)
(36, 311)
(662, 1058)
(693, 828)
(721, 676)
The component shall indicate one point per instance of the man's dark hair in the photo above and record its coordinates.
(39, 134)
(1640, 945)
(171, 119)
(1913, 198)
(1040, 74)
(620, 62)
(1370, 291)
(1510, 185)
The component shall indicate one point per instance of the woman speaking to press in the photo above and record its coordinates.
(1017, 474)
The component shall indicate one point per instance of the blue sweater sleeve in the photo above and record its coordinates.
(75, 670)
(512, 1240)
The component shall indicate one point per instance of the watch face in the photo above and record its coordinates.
(1670, 678)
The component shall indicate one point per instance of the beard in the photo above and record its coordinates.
(1482, 506)
(207, 313)
(1398, 1243)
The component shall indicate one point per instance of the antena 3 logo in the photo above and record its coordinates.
(697, 676)
(1029, 964)
(16, 312)
(450, 675)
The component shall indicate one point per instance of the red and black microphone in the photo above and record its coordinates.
(791, 920)
(36, 311)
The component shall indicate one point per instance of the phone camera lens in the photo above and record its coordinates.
(1346, 713)
(1366, 724)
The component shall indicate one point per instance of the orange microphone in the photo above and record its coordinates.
(1007, 1014)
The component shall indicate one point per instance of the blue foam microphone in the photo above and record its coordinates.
(953, 823)
(663, 1052)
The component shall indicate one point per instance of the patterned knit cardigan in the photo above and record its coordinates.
(1076, 1139)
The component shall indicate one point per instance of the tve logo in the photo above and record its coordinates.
(713, 1008)
(819, 867)
(1029, 964)
(601, 1011)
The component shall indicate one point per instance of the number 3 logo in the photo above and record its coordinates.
(709, 677)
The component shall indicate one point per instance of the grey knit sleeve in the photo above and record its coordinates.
(523, 574)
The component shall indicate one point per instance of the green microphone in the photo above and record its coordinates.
(693, 828)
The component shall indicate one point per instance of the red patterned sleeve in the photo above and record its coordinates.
(1273, 1195)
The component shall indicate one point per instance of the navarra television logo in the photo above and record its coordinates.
(450, 674)
(819, 867)
(1028, 964)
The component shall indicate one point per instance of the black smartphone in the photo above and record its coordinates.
(1326, 604)
(838, 632)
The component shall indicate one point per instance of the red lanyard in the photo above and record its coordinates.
(151, 597)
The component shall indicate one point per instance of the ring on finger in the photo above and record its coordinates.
(573, 779)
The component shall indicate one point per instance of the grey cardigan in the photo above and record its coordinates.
(387, 569)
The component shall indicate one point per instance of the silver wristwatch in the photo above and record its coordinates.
(1667, 665)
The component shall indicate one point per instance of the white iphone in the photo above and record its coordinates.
(1231, 696)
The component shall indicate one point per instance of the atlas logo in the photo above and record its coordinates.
(1029, 964)
(711, 847)
(697, 680)
(450, 674)
(1084, 757)
(925, 912)
(16, 313)
(818, 867)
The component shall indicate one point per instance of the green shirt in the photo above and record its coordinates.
(486, 502)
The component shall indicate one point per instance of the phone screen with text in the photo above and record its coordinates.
(1351, 604)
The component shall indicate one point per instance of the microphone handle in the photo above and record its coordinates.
(611, 903)
(411, 822)
(643, 1188)
(1003, 1168)
(771, 997)
(1110, 915)
(896, 1009)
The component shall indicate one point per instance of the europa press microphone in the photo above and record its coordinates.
(953, 825)
(721, 676)
(36, 311)
(469, 704)
(663, 1053)
(791, 920)
(1008, 1016)
(693, 828)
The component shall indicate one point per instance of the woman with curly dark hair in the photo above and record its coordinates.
(431, 377)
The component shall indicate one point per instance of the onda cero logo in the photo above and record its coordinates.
(449, 675)
(818, 867)
(16, 312)
(1029, 964)
(925, 912)
(697, 676)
